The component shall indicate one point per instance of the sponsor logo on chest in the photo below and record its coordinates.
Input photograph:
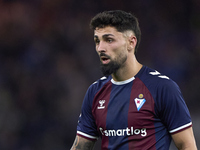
(124, 132)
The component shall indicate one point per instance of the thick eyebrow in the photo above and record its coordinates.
(104, 36)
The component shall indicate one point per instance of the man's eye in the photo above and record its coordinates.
(96, 42)
(109, 40)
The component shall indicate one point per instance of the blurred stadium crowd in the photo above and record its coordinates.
(48, 60)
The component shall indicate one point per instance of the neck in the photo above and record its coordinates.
(128, 70)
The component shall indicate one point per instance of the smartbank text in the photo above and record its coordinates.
(123, 132)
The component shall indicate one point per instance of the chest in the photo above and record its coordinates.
(123, 107)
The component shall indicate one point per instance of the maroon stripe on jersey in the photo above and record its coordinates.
(99, 110)
(141, 122)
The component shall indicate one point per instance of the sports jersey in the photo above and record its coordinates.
(139, 113)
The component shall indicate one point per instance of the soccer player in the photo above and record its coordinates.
(132, 107)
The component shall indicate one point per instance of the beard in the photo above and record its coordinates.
(113, 65)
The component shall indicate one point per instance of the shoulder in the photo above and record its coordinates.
(102, 81)
(97, 85)
(93, 90)
(157, 83)
(152, 77)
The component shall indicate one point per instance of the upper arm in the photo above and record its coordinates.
(86, 122)
(171, 108)
(185, 140)
(81, 143)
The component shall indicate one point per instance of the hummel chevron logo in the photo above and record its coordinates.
(156, 73)
(139, 102)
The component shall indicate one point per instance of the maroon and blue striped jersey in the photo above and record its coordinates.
(139, 113)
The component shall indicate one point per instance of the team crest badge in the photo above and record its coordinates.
(139, 102)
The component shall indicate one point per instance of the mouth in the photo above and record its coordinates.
(105, 59)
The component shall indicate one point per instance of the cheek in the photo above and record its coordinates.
(122, 50)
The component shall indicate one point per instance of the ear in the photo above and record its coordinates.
(132, 42)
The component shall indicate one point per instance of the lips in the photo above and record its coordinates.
(105, 59)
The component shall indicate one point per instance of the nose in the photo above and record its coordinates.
(100, 47)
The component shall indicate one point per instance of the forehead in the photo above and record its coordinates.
(98, 32)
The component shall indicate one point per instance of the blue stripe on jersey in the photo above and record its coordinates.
(117, 115)
(162, 135)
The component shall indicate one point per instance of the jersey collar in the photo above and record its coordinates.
(122, 82)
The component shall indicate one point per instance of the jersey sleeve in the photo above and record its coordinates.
(173, 110)
(86, 124)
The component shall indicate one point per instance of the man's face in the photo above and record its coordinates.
(111, 47)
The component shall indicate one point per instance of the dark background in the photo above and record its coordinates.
(48, 60)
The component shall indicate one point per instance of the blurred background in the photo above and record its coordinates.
(48, 60)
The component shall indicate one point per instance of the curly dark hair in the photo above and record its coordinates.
(119, 19)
